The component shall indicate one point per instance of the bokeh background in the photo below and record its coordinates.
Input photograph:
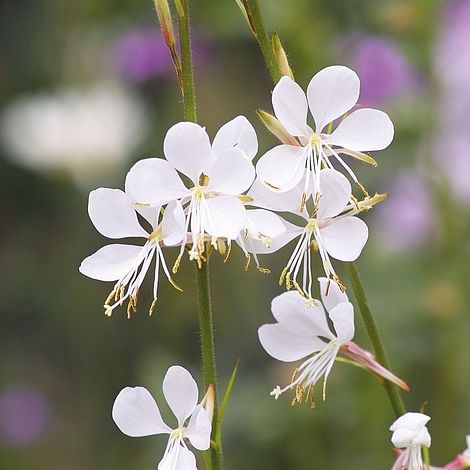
(86, 90)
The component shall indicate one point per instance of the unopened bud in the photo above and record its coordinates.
(209, 401)
(276, 128)
(363, 157)
(368, 202)
(245, 15)
(367, 361)
(281, 56)
(166, 23)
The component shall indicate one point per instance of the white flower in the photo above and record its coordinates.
(136, 414)
(330, 228)
(81, 131)
(331, 93)
(115, 217)
(302, 331)
(410, 433)
(219, 174)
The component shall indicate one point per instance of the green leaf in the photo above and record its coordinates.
(228, 390)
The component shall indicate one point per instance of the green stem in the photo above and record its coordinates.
(202, 273)
(206, 331)
(375, 337)
(187, 76)
(255, 18)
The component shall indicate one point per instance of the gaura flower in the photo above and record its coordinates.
(330, 227)
(410, 433)
(218, 174)
(115, 217)
(302, 331)
(136, 414)
(331, 93)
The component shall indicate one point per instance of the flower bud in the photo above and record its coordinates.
(166, 24)
(208, 401)
(368, 361)
(281, 57)
(276, 128)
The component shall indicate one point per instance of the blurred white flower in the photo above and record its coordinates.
(136, 414)
(84, 132)
(410, 433)
(115, 217)
(218, 174)
(331, 93)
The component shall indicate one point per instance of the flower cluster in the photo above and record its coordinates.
(203, 196)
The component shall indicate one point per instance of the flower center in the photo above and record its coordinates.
(315, 140)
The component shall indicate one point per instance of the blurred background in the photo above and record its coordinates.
(86, 89)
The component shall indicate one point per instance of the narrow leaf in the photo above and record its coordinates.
(228, 390)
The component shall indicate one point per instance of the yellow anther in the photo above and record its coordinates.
(263, 270)
(203, 180)
(248, 261)
(174, 270)
(152, 306)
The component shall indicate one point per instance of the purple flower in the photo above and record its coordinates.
(407, 218)
(452, 59)
(384, 71)
(24, 415)
(140, 54)
(452, 65)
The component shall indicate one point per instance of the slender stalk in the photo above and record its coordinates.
(255, 18)
(187, 76)
(206, 328)
(393, 393)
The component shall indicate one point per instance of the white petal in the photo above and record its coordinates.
(332, 92)
(287, 343)
(199, 429)
(224, 217)
(185, 459)
(345, 238)
(173, 224)
(363, 130)
(343, 320)
(331, 294)
(335, 193)
(277, 242)
(112, 214)
(136, 413)
(111, 262)
(237, 133)
(288, 201)
(153, 181)
(410, 420)
(290, 106)
(290, 307)
(188, 149)
(180, 390)
(403, 437)
(265, 223)
(281, 168)
(232, 173)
